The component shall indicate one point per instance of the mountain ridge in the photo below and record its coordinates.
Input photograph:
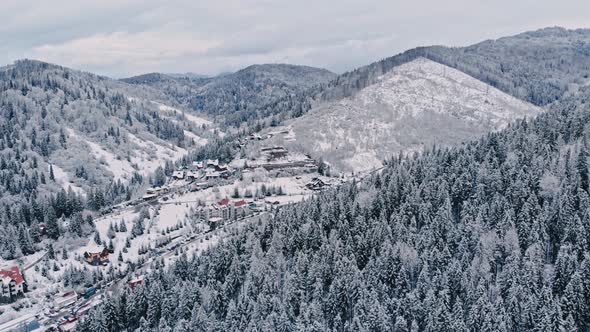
(409, 108)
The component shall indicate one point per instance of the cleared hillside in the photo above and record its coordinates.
(413, 106)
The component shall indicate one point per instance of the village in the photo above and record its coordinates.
(200, 203)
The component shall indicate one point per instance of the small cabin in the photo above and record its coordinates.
(97, 258)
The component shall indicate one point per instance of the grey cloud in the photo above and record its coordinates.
(127, 37)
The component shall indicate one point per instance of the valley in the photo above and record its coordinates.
(442, 188)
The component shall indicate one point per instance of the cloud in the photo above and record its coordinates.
(112, 53)
(128, 37)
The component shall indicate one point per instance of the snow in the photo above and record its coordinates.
(144, 160)
(198, 140)
(190, 117)
(151, 155)
(121, 169)
(423, 85)
(366, 160)
(170, 211)
(63, 179)
(410, 108)
(15, 323)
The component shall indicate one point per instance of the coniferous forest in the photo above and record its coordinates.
(203, 192)
(492, 235)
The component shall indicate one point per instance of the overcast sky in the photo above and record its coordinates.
(120, 38)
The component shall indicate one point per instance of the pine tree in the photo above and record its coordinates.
(111, 231)
(97, 238)
(122, 226)
(51, 176)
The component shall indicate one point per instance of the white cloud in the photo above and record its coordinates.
(125, 37)
(114, 52)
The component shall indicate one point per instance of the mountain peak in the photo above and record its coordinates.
(409, 108)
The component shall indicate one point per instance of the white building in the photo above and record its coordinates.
(212, 163)
(12, 284)
(224, 210)
(193, 175)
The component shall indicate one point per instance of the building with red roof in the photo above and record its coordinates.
(97, 258)
(12, 284)
(135, 282)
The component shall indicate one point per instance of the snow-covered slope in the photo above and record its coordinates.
(412, 106)
(91, 129)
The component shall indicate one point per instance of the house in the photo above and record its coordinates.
(316, 184)
(178, 175)
(97, 258)
(198, 164)
(158, 190)
(212, 175)
(135, 282)
(257, 207)
(193, 175)
(12, 284)
(212, 163)
(274, 152)
(66, 299)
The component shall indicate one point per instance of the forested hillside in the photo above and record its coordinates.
(410, 108)
(538, 66)
(73, 141)
(488, 236)
(241, 96)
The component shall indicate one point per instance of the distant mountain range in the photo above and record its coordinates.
(538, 66)
(239, 96)
(486, 235)
(438, 95)
(374, 110)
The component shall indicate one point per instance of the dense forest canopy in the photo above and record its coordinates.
(41, 105)
(250, 94)
(488, 236)
(491, 235)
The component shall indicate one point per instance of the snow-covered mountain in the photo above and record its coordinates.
(240, 96)
(413, 106)
(64, 128)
